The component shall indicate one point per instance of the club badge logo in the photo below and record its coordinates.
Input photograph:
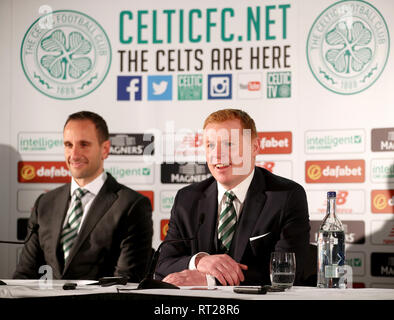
(348, 47)
(68, 58)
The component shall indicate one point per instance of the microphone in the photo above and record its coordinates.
(33, 229)
(148, 282)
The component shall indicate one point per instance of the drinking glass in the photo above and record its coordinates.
(282, 269)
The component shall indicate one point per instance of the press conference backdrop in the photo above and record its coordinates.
(316, 75)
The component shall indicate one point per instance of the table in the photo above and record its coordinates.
(197, 302)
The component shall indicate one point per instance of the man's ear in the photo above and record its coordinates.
(255, 146)
(106, 146)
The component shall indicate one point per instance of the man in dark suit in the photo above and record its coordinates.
(92, 227)
(248, 213)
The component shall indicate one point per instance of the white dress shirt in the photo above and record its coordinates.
(87, 200)
(240, 193)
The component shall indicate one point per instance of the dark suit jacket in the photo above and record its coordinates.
(273, 205)
(115, 238)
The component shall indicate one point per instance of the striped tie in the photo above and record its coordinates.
(74, 214)
(227, 221)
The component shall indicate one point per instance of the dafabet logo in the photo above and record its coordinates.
(43, 172)
(382, 201)
(335, 171)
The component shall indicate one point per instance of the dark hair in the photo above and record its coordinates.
(98, 121)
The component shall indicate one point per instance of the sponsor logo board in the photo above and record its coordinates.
(131, 144)
(275, 142)
(382, 201)
(382, 139)
(382, 170)
(335, 171)
(184, 173)
(167, 198)
(356, 260)
(131, 172)
(43, 172)
(40, 143)
(382, 265)
(335, 141)
(354, 231)
(382, 232)
(348, 201)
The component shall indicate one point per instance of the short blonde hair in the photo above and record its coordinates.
(231, 114)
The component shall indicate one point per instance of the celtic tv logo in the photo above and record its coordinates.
(70, 58)
(348, 46)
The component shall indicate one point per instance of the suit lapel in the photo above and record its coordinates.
(60, 207)
(254, 203)
(208, 205)
(101, 204)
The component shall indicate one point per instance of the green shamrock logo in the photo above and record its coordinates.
(350, 47)
(66, 60)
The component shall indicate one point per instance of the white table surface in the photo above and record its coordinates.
(35, 288)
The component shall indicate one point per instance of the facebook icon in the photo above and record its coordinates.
(129, 88)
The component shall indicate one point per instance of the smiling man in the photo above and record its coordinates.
(248, 213)
(92, 227)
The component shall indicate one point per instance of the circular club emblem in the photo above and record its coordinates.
(348, 46)
(67, 58)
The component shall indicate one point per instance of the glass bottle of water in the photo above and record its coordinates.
(331, 247)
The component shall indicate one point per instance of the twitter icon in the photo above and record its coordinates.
(159, 87)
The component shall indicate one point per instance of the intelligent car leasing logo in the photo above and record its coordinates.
(65, 54)
(348, 46)
(219, 86)
(129, 88)
(159, 87)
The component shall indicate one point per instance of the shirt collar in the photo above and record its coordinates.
(240, 190)
(93, 187)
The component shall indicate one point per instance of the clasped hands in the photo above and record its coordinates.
(221, 266)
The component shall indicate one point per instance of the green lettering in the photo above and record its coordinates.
(191, 13)
(209, 23)
(268, 22)
(169, 24)
(253, 21)
(224, 36)
(121, 26)
(284, 7)
(141, 26)
(154, 28)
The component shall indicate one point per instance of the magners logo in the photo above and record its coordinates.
(335, 171)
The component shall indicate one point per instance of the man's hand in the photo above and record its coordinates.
(187, 278)
(222, 267)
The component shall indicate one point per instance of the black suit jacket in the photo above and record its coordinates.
(115, 238)
(273, 205)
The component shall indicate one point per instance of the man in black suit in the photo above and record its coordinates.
(92, 227)
(248, 213)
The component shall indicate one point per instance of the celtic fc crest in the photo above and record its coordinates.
(69, 59)
(348, 46)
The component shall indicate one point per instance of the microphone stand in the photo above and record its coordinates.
(33, 229)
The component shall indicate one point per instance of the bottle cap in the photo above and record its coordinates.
(331, 194)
